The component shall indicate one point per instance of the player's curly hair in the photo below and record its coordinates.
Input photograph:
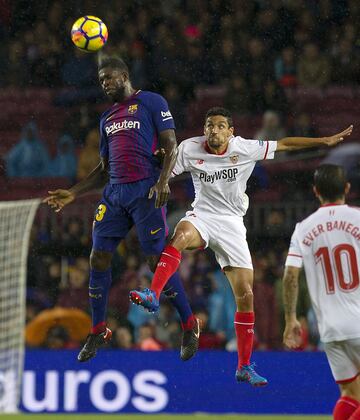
(218, 110)
(112, 61)
(330, 181)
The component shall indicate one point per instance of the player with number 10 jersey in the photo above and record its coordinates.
(327, 245)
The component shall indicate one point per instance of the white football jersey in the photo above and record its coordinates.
(327, 243)
(220, 180)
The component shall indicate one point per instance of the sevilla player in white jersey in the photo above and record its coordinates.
(327, 244)
(220, 165)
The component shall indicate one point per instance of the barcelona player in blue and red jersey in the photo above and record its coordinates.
(136, 191)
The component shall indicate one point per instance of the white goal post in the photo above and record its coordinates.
(16, 218)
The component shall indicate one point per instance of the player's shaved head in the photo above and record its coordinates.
(113, 62)
(114, 77)
(218, 110)
(330, 182)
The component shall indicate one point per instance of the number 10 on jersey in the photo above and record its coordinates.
(343, 254)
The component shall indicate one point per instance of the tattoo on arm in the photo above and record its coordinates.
(290, 290)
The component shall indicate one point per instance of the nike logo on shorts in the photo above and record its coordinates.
(152, 232)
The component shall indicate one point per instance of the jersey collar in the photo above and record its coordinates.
(129, 98)
(333, 204)
(208, 150)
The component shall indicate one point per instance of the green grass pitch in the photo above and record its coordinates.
(155, 417)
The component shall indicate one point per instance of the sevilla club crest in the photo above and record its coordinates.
(234, 158)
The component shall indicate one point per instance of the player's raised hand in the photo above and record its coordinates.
(162, 191)
(58, 199)
(292, 334)
(337, 138)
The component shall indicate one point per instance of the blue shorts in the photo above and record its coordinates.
(124, 205)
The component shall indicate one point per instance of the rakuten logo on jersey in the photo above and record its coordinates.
(228, 174)
(120, 126)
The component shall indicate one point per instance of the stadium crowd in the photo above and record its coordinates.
(254, 50)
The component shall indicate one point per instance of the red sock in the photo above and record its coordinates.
(166, 267)
(98, 328)
(344, 408)
(189, 324)
(244, 328)
(356, 414)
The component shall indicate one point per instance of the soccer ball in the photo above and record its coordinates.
(89, 33)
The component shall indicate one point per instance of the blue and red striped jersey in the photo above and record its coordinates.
(129, 136)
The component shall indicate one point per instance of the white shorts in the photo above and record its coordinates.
(344, 359)
(225, 235)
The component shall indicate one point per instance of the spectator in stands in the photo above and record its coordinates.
(214, 340)
(267, 324)
(270, 96)
(123, 338)
(64, 163)
(89, 155)
(346, 155)
(313, 68)
(285, 68)
(270, 29)
(51, 281)
(15, 65)
(258, 65)
(80, 122)
(147, 340)
(120, 288)
(44, 69)
(79, 69)
(271, 127)
(58, 338)
(225, 60)
(74, 235)
(167, 326)
(303, 126)
(29, 157)
(138, 64)
(345, 64)
(75, 295)
(237, 96)
(176, 103)
(221, 305)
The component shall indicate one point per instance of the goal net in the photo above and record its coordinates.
(16, 218)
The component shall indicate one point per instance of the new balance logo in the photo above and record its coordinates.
(166, 115)
(123, 125)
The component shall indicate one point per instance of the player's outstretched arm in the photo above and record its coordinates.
(167, 140)
(58, 199)
(292, 333)
(298, 143)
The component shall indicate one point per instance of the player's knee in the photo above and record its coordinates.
(244, 300)
(181, 239)
(351, 389)
(100, 260)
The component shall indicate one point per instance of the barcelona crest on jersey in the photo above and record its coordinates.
(132, 108)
